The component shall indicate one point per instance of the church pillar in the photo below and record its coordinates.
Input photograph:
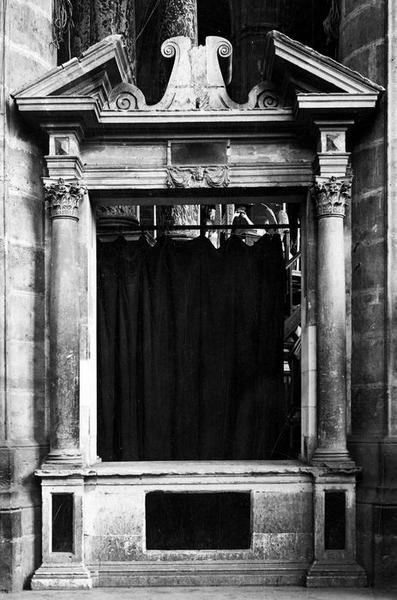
(93, 20)
(178, 17)
(64, 198)
(331, 198)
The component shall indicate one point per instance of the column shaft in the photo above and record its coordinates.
(178, 17)
(331, 196)
(64, 323)
(331, 334)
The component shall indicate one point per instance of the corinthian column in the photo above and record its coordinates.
(64, 198)
(331, 197)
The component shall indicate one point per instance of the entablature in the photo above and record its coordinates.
(92, 100)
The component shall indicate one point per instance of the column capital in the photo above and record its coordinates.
(331, 196)
(64, 198)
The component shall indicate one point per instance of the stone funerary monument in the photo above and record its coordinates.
(198, 376)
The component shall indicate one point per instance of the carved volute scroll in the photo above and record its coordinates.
(127, 97)
(196, 81)
(64, 198)
(331, 196)
(262, 96)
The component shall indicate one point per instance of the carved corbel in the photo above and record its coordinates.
(64, 198)
(332, 196)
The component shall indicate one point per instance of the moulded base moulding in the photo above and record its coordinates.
(333, 459)
(74, 576)
(170, 574)
(331, 574)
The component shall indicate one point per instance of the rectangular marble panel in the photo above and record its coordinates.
(282, 513)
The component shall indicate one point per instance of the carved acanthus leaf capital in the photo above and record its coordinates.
(332, 196)
(64, 198)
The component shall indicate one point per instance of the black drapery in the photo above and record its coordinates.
(190, 347)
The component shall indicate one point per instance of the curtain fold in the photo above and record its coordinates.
(190, 350)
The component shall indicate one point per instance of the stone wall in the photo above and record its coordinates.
(363, 48)
(25, 54)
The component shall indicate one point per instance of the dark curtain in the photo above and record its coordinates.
(190, 342)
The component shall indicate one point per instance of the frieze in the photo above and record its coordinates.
(332, 196)
(64, 198)
(197, 177)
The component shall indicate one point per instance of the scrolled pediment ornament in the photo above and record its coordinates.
(64, 198)
(127, 97)
(331, 196)
(197, 177)
(262, 96)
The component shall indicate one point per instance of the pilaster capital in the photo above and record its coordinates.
(331, 196)
(64, 198)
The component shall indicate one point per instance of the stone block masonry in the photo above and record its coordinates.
(25, 53)
(363, 47)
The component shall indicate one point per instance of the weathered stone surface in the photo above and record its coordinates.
(367, 359)
(385, 520)
(114, 548)
(278, 512)
(28, 54)
(366, 453)
(178, 17)
(26, 415)
(25, 217)
(369, 169)
(26, 366)
(28, 322)
(367, 410)
(283, 546)
(27, 16)
(93, 20)
(368, 306)
(11, 550)
(331, 197)
(26, 268)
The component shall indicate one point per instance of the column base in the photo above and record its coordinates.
(74, 576)
(64, 457)
(332, 458)
(325, 573)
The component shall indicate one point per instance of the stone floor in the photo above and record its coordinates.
(208, 593)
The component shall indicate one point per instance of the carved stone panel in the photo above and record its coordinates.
(198, 177)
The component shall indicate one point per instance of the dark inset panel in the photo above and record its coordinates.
(198, 153)
(335, 521)
(62, 522)
(198, 521)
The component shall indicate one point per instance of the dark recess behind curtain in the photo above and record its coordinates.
(190, 350)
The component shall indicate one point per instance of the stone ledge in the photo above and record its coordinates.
(330, 574)
(194, 574)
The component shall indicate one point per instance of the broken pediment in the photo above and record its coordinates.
(98, 86)
(316, 82)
